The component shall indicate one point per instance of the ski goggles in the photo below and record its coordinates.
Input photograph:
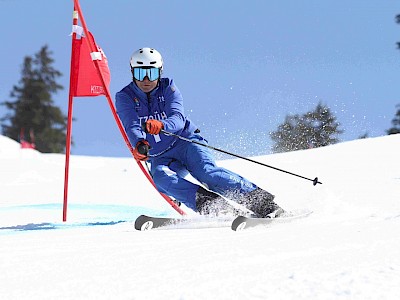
(141, 73)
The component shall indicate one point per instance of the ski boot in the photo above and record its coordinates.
(262, 204)
(210, 203)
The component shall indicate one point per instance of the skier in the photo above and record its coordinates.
(150, 104)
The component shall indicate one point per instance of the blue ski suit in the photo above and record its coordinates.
(171, 158)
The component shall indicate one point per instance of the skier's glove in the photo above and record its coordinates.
(141, 150)
(153, 126)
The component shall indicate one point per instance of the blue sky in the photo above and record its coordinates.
(242, 66)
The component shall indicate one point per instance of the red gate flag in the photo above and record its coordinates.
(90, 76)
(85, 80)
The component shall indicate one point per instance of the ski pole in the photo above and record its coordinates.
(314, 181)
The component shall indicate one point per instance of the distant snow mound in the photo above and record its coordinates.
(8, 145)
(11, 148)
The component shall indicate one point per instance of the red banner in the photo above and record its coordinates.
(85, 79)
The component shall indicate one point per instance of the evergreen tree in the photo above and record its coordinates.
(396, 122)
(398, 21)
(33, 109)
(313, 129)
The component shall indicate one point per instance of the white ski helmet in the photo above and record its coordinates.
(147, 57)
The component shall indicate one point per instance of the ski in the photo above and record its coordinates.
(144, 222)
(242, 222)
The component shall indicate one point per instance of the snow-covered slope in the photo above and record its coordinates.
(347, 249)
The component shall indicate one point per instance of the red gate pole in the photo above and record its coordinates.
(72, 86)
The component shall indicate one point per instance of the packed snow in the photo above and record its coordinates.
(347, 249)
